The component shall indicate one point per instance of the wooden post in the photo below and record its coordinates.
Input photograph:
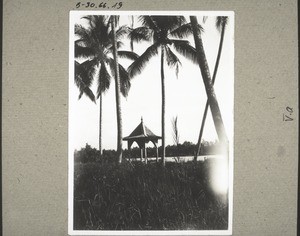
(141, 154)
(145, 154)
(156, 154)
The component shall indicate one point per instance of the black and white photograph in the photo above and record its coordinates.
(151, 117)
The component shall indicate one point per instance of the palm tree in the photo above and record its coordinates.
(221, 22)
(212, 99)
(96, 43)
(161, 31)
(117, 87)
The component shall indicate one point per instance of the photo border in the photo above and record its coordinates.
(71, 230)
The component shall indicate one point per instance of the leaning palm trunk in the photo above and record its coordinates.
(213, 81)
(212, 100)
(117, 82)
(100, 124)
(163, 107)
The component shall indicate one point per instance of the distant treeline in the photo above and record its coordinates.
(89, 154)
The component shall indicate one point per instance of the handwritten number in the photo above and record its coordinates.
(102, 4)
(118, 5)
(78, 4)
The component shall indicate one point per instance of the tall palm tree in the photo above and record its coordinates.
(161, 31)
(96, 43)
(221, 22)
(117, 87)
(212, 99)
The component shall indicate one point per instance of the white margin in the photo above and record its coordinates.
(71, 231)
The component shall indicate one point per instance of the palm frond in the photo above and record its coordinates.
(86, 36)
(83, 52)
(77, 74)
(124, 77)
(117, 20)
(96, 21)
(88, 92)
(97, 30)
(90, 19)
(200, 29)
(168, 23)
(103, 80)
(121, 32)
(113, 19)
(82, 82)
(86, 71)
(185, 49)
(172, 59)
(128, 55)
(82, 32)
(84, 74)
(101, 34)
(124, 81)
(220, 21)
(136, 67)
(184, 31)
(148, 22)
(109, 47)
(140, 34)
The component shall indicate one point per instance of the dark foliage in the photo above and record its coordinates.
(89, 154)
(135, 196)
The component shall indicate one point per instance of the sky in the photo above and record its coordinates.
(185, 95)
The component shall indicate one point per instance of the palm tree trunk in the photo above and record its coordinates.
(163, 107)
(117, 82)
(100, 124)
(131, 41)
(212, 99)
(213, 81)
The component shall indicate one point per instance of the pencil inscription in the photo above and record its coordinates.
(103, 5)
(288, 117)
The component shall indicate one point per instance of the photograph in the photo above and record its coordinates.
(151, 122)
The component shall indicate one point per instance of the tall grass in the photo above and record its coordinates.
(147, 197)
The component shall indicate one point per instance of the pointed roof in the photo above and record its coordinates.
(142, 132)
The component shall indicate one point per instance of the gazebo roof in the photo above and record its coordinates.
(141, 132)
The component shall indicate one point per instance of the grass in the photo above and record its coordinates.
(147, 197)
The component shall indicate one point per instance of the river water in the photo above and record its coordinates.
(182, 159)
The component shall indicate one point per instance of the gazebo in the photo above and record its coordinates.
(142, 135)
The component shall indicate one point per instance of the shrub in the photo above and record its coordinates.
(87, 154)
